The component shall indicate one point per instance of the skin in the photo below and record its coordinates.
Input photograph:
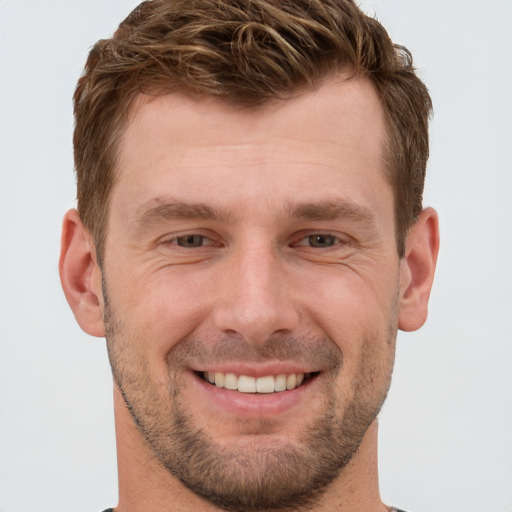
(253, 291)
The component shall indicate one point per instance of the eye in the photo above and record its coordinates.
(191, 241)
(320, 240)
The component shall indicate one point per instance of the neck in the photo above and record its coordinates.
(144, 484)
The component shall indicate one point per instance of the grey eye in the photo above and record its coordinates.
(190, 241)
(321, 240)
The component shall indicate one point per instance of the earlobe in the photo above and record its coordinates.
(417, 270)
(80, 275)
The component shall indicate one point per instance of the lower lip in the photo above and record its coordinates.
(253, 404)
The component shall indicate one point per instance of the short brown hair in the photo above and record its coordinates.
(246, 52)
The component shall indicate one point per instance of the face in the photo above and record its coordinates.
(251, 285)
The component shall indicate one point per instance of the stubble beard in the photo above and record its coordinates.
(259, 473)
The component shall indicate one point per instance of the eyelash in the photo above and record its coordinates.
(333, 239)
(175, 240)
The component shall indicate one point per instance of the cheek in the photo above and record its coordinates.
(360, 316)
(161, 310)
(346, 302)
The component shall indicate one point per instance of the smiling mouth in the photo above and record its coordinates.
(266, 384)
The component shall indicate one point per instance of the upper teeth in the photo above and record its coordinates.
(246, 384)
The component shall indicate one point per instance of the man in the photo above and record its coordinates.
(249, 237)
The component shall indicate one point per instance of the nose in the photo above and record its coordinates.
(255, 298)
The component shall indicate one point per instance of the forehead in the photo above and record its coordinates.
(344, 103)
(179, 145)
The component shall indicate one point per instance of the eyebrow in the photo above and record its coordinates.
(157, 210)
(332, 210)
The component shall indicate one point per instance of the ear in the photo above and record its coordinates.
(417, 270)
(80, 275)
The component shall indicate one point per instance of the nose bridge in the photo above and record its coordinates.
(256, 300)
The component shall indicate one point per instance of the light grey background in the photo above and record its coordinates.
(446, 430)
